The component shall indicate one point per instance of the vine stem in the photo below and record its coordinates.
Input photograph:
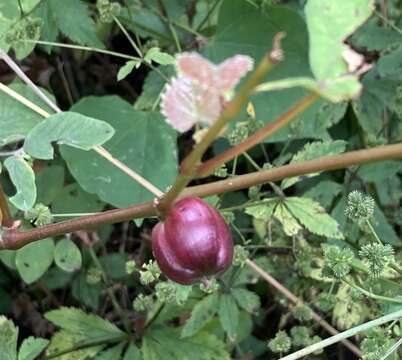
(208, 167)
(343, 335)
(98, 149)
(15, 239)
(5, 215)
(188, 167)
(296, 301)
(127, 35)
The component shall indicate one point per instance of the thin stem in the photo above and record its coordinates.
(73, 214)
(209, 166)
(157, 310)
(87, 344)
(343, 335)
(371, 295)
(127, 35)
(392, 349)
(296, 301)
(14, 239)
(191, 162)
(84, 48)
(115, 303)
(208, 15)
(11, 152)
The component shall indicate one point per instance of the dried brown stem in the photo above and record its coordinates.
(14, 239)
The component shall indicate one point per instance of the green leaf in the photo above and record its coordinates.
(65, 340)
(314, 150)
(34, 259)
(78, 322)
(166, 344)
(31, 348)
(132, 353)
(127, 68)
(228, 314)
(87, 294)
(246, 299)
(324, 192)
(143, 141)
(329, 24)
(152, 89)
(380, 171)
(155, 54)
(23, 178)
(49, 183)
(263, 211)
(73, 19)
(8, 339)
(114, 264)
(313, 216)
(8, 258)
(245, 29)
(68, 128)
(112, 353)
(16, 120)
(290, 224)
(67, 256)
(202, 312)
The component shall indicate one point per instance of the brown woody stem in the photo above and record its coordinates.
(14, 239)
(5, 215)
(208, 167)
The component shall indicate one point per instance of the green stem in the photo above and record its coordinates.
(371, 295)
(343, 335)
(157, 310)
(87, 344)
(206, 18)
(115, 303)
(127, 35)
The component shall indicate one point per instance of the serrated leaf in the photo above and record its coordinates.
(64, 340)
(127, 68)
(34, 259)
(166, 344)
(202, 312)
(132, 353)
(246, 299)
(23, 178)
(228, 314)
(261, 212)
(31, 347)
(112, 353)
(73, 19)
(16, 120)
(142, 140)
(78, 322)
(155, 54)
(314, 150)
(67, 256)
(8, 339)
(68, 128)
(313, 216)
(290, 224)
(87, 294)
(324, 192)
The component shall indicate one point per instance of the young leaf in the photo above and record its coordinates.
(8, 339)
(127, 68)
(132, 353)
(23, 178)
(202, 312)
(263, 211)
(34, 259)
(246, 299)
(73, 19)
(155, 54)
(312, 151)
(68, 128)
(31, 348)
(78, 322)
(165, 343)
(311, 215)
(67, 256)
(228, 314)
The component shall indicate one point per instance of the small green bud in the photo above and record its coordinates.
(209, 286)
(359, 207)
(108, 10)
(39, 215)
(150, 274)
(281, 343)
(229, 216)
(325, 302)
(337, 262)
(239, 133)
(93, 276)
(142, 303)
(300, 335)
(221, 171)
(302, 313)
(377, 257)
(130, 267)
(240, 256)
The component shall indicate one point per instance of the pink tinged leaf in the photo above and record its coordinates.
(194, 66)
(232, 70)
